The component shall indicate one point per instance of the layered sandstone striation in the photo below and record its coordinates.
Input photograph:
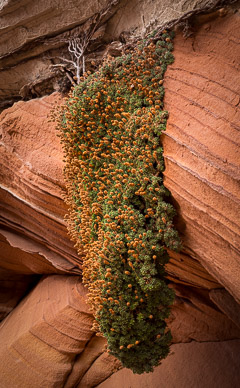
(42, 336)
(25, 51)
(201, 147)
(33, 234)
(34, 37)
(31, 190)
(196, 316)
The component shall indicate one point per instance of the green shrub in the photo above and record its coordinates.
(119, 216)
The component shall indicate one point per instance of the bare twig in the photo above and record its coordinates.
(77, 45)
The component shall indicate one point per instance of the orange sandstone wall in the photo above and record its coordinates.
(201, 146)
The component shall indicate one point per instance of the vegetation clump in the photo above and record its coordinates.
(119, 217)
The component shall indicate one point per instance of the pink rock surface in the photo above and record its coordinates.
(31, 188)
(22, 255)
(183, 269)
(195, 365)
(201, 146)
(84, 361)
(194, 317)
(41, 337)
(101, 369)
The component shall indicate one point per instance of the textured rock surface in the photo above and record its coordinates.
(227, 304)
(25, 256)
(32, 208)
(32, 36)
(198, 365)
(194, 317)
(84, 361)
(25, 29)
(13, 287)
(49, 331)
(182, 268)
(201, 147)
(100, 370)
(40, 338)
(31, 205)
(48, 342)
(24, 21)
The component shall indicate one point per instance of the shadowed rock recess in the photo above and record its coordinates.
(45, 333)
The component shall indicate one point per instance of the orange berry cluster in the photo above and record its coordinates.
(118, 215)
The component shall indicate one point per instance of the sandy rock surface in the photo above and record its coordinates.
(42, 336)
(31, 189)
(201, 147)
(195, 365)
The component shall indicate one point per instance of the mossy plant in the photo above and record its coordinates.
(119, 216)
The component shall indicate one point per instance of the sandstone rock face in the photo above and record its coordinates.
(42, 335)
(227, 304)
(31, 189)
(24, 21)
(13, 287)
(48, 342)
(25, 29)
(92, 365)
(41, 338)
(21, 255)
(198, 365)
(182, 268)
(84, 361)
(194, 317)
(101, 369)
(201, 147)
(34, 34)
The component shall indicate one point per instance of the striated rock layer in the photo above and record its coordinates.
(34, 34)
(31, 189)
(201, 147)
(47, 340)
(42, 336)
(32, 209)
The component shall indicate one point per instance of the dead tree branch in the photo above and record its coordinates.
(78, 44)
